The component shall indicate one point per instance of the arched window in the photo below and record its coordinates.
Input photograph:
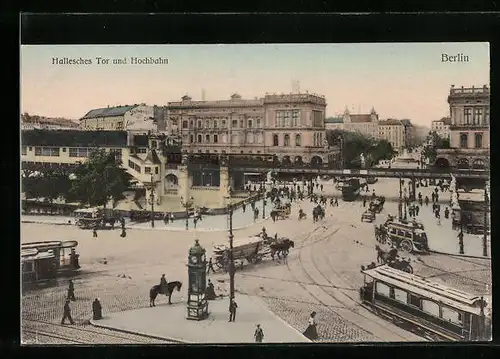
(275, 140)
(199, 138)
(286, 141)
(478, 140)
(207, 123)
(199, 124)
(184, 124)
(297, 140)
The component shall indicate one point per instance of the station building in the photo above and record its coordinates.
(469, 129)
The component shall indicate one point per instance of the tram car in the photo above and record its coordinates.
(45, 260)
(368, 216)
(406, 236)
(427, 308)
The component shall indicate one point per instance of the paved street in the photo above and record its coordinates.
(169, 322)
(322, 272)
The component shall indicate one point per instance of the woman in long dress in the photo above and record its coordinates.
(311, 331)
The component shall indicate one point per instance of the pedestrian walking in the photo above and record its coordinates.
(417, 209)
(124, 233)
(438, 216)
(259, 334)
(71, 291)
(446, 213)
(210, 266)
(321, 187)
(232, 310)
(311, 332)
(94, 232)
(67, 313)
(461, 242)
(96, 309)
(364, 201)
(336, 202)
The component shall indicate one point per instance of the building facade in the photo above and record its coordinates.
(394, 132)
(365, 124)
(442, 127)
(289, 126)
(469, 129)
(120, 118)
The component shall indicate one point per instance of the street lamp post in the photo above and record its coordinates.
(187, 204)
(264, 205)
(400, 204)
(231, 258)
(152, 203)
(341, 152)
(485, 234)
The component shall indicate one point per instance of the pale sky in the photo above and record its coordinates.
(400, 80)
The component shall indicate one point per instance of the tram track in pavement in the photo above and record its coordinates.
(349, 306)
(85, 334)
(37, 336)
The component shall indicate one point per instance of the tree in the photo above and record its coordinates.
(435, 142)
(49, 183)
(99, 179)
(355, 144)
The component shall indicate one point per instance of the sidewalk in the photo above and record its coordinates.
(169, 322)
(444, 239)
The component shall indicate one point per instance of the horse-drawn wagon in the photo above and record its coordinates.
(251, 249)
(407, 236)
(90, 218)
(377, 204)
(368, 216)
(282, 211)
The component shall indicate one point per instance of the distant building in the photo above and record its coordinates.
(394, 132)
(365, 124)
(334, 123)
(409, 133)
(442, 127)
(469, 129)
(46, 123)
(140, 118)
(290, 126)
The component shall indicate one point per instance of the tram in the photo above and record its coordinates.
(44, 260)
(431, 309)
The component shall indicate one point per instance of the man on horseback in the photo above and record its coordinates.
(163, 284)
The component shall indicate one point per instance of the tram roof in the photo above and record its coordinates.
(38, 256)
(440, 293)
(40, 245)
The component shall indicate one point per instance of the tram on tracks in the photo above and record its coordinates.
(431, 309)
(45, 260)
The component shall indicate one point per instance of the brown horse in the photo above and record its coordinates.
(156, 289)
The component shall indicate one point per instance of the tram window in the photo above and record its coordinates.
(430, 307)
(400, 295)
(451, 315)
(401, 233)
(27, 266)
(393, 230)
(408, 235)
(414, 300)
(383, 289)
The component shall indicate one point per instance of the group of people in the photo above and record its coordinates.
(96, 306)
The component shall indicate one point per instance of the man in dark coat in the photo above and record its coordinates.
(67, 313)
(97, 309)
(232, 310)
(259, 334)
(163, 284)
(71, 291)
(210, 266)
(461, 242)
(210, 291)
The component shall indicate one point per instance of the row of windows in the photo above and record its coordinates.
(476, 115)
(235, 138)
(250, 123)
(286, 140)
(134, 166)
(425, 305)
(286, 118)
(48, 151)
(318, 139)
(464, 140)
(147, 170)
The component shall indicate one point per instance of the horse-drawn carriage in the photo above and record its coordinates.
(368, 216)
(282, 211)
(407, 236)
(377, 204)
(90, 218)
(251, 249)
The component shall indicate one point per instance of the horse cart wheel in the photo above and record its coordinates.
(409, 269)
(382, 239)
(406, 246)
